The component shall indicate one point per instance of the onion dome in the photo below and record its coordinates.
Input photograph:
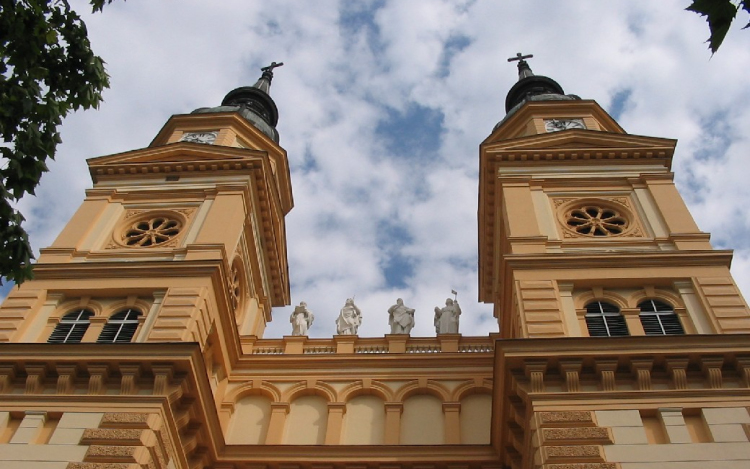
(254, 103)
(530, 87)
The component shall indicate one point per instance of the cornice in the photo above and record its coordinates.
(307, 456)
(121, 269)
(130, 351)
(686, 344)
(404, 366)
(624, 259)
(580, 147)
(176, 158)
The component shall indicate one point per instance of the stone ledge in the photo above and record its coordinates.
(118, 436)
(576, 435)
(582, 453)
(573, 418)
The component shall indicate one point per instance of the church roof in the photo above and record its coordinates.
(254, 103)
(530, 87)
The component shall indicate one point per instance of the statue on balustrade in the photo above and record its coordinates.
(301, 319)
(349, 319)
(400, 318)
(446, 318)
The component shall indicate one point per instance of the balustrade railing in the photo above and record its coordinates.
(301, 345)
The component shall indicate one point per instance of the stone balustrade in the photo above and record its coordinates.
(348, 344)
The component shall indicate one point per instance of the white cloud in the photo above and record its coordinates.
(341, 80)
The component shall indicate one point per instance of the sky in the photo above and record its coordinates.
(383, 105)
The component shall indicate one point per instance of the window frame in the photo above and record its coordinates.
(611, 318)
(120, 326)
(73, 323)
(667, 312)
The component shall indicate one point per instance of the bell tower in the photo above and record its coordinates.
(630, 330)
(189, 233)
(577, 216)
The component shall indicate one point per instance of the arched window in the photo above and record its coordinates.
(659, 318)
(71, 327)
(604, 320)
(120, 327)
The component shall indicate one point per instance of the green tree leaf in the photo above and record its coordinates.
(719, 14)
(47, 69)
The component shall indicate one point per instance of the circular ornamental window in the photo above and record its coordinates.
(152, 230)
(235, 286)
(597, 219)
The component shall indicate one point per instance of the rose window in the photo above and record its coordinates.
(595, 220)
(152, 231)
(235, 286)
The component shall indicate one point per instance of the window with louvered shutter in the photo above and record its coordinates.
(659, 318)
(120, 327)
(71, 328)
(604, 320)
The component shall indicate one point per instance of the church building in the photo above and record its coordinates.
(623, 340)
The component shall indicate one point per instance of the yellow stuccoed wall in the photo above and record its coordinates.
(723, 444)
(446, 412)
(672, 438)
(81, 440)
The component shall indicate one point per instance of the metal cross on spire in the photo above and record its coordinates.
(520, 57)
(279, 64)
(264, 82)
(523, 67)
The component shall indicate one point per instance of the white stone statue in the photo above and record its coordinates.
(349, 319)
(400, 318)
(301, 319)
(446, 319)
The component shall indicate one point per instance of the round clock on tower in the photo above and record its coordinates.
(555, 125)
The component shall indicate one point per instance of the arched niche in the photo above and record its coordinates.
(476, 416)
(422, 422)
(364, 421)
(249, 422)
(307, 421)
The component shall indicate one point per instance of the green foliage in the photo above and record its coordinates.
(47, 70)
(719, 15)
(97, 5)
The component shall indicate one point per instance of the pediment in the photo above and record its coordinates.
(580, 139)
(177, 153)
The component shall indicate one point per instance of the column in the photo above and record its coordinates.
(279, 411)
(336, 411)
(452, 413)
(30, 428)
(393, 412)
(674, 424)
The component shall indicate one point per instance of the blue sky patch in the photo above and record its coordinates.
(309, 164)
(453, 46)
(5, 288)
(716, 138)
(359, 17)
(619, 103)
(396, 268)
(414, 132)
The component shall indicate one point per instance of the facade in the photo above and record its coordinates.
(623, 339)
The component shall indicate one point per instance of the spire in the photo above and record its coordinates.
(257, 97)
(523, 66)
(264, 82)
(532, 87)
(254, 103)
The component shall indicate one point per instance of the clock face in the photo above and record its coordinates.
(199, 137)
(555, 125)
